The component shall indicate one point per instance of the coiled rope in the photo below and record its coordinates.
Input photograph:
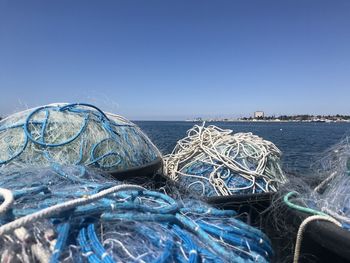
(213, 161)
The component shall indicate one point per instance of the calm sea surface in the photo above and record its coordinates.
(301, 143)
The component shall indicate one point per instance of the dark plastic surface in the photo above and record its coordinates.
(141, 171)
(326, 241)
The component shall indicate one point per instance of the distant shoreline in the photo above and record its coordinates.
(281, 118)
(271, 121)
(239, 121)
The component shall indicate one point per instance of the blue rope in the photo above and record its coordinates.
(168, 245)
(159, 228)
(86, 248)
(97, 246)
(127, 146)
(206, 238)
(36, 111)
(240, 242)
(95, 160)
(72, 106)
(63, 231)
(189, 245)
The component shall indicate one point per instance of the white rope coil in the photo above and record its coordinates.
(244, 154)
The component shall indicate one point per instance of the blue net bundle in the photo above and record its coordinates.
(73, 134)
(72, 214)
(212, 161)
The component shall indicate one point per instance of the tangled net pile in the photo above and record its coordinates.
(331, 197)
(73, 134)
(77, 215)
(329, 200)
(215, 162)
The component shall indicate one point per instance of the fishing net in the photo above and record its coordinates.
(212, 161)
(320, 196)
(72, 214)
(330, 196)
(73, 134)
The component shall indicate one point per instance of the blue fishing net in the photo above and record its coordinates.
(73, 134)
(130, 224)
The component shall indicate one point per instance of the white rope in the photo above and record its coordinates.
(222, 148)
(8, 200)
(59, 208)
(324, 182)
(302, 228)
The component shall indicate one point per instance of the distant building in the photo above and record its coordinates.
(259, 114)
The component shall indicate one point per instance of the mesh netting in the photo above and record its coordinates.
(73, 134)
(215, 162)
(71, 214)
(330, 196)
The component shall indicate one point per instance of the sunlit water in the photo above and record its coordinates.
(301, 143)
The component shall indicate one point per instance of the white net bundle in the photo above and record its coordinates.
(212, 161)
(79, 134)
(332, 195)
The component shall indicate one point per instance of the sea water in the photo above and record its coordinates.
(301, 143)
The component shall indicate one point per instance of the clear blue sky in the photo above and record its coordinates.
(177, 59)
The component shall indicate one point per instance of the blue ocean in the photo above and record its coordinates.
(301, 143)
